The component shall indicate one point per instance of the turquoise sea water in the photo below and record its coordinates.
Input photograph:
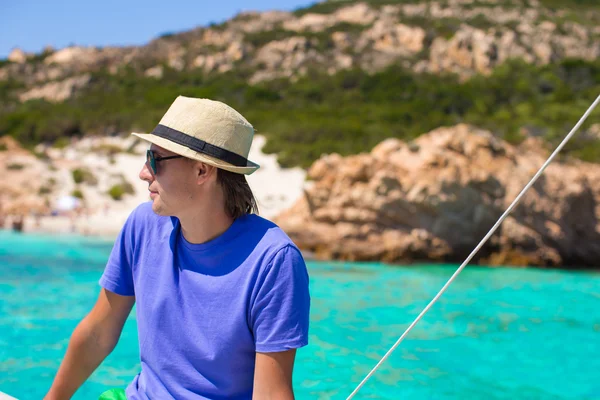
(502, 333)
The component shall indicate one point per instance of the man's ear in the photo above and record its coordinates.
(204, 171)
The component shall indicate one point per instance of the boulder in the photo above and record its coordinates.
(434, 199)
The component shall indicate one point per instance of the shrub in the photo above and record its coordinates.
(81, 175)
(77, 175)
(61, 143)
(119, 190)
(15, 167)
(44, 190)
(166, 35)
(77, 193)
(116, 192)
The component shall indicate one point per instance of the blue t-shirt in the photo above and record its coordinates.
(204, 310)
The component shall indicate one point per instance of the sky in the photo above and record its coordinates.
(31, 25)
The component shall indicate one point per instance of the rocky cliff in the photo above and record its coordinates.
(435, 198)
(458, 36)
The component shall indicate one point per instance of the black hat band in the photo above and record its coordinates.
(199, 145)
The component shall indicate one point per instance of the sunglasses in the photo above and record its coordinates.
(152, 159)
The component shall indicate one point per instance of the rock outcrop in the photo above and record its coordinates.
(437, 197)
(284, 58)
(56, 91)
(475, 50)
(17, 56)
(359, 14)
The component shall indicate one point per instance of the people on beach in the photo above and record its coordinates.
(18, 223)
(222, 295)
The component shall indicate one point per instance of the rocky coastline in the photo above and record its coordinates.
(435, 198)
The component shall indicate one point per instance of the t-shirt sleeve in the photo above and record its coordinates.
(281, 308)
(118, 273)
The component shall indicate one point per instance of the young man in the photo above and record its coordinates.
(221, 294)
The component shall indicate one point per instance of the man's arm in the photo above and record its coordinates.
(91, 342)
(273, 376)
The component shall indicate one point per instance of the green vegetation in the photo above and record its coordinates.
(348, 113)
(15, 167)
(260, 38)
(77, 193)
(119, 190)
(570, 4)
(61, 143)
(166, 35)
(47, 188)
(116, 192)
(81, 175)
(8, 88)
(77, 175)
(44, 190)
(325, 7)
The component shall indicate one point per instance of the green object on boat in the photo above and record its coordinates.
(113, 394)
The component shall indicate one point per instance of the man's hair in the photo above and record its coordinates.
(239, 199)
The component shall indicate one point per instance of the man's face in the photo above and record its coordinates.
(172, 187)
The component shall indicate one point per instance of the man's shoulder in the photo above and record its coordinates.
(271, 237)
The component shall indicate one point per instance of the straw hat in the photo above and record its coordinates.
(207, 131)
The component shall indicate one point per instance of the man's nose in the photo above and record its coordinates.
(146, 174)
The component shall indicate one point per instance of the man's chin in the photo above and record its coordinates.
(157, 208)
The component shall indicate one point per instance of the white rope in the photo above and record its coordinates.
(510, 208)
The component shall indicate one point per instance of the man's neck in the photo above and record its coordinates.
(204, 227)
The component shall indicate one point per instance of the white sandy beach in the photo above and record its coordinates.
(275, 188)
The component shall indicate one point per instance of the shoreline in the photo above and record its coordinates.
(310, 257)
